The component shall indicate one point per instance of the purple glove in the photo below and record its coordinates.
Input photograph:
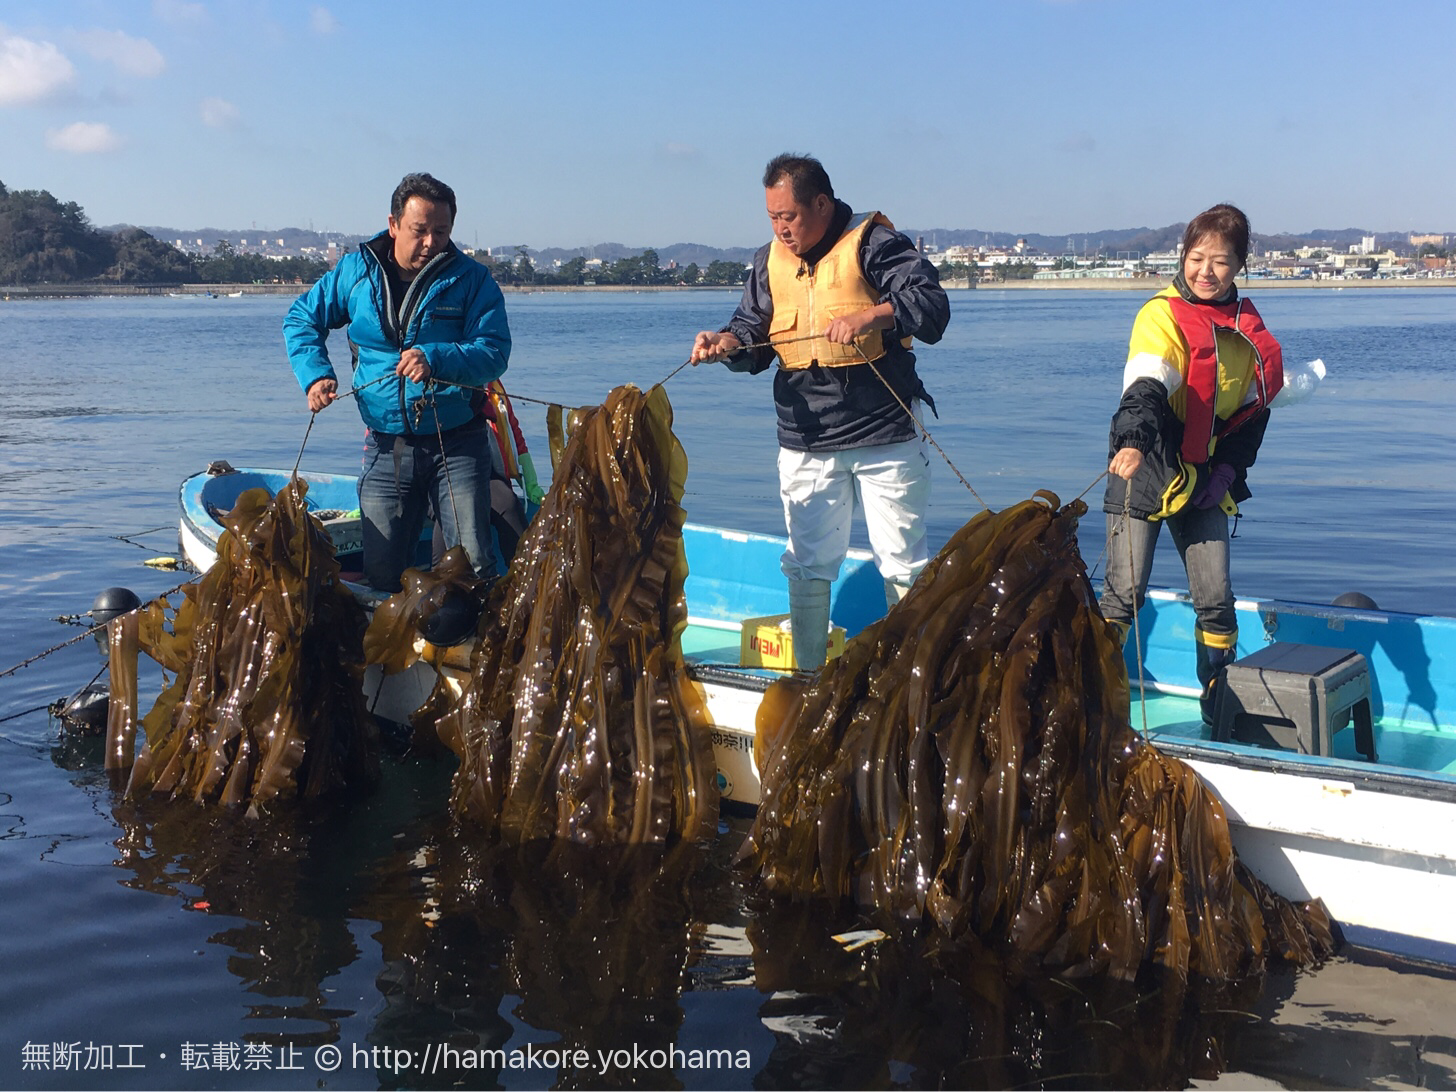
(1219, 479)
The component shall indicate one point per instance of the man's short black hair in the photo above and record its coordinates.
(806, 176)
(422, 185)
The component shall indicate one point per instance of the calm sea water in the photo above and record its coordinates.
(160, 946)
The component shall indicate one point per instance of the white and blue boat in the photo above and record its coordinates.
(1313, 817)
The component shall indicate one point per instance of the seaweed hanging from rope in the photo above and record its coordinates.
(967, 765)
(579, 721)
(267, 650)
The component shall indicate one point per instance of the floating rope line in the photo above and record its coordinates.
(130, 536)
(38, 708)
(87, 633)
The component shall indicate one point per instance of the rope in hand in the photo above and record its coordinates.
(1132, 591)
(919, 424)
(440, 433)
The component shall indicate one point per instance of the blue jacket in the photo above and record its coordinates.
(453, 311)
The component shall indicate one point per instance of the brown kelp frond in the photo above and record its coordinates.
(267, 701)
(579, 721)
(968, 764)
(447, 597)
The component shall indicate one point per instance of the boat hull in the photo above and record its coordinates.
(1376, 842)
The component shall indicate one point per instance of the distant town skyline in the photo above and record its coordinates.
(571, 124)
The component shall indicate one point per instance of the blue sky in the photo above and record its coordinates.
(566, 124)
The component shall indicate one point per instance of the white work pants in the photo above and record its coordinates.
(891, 482)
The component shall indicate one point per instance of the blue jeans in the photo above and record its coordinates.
(406, 476)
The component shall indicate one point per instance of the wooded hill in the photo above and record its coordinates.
(46, 241)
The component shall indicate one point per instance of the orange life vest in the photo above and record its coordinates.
(806, 301)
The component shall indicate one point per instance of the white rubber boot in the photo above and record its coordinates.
(894, 592)
(809, 622)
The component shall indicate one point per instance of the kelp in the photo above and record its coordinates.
(443, 605)
(967, 766)
(267, 700)
(579, 721)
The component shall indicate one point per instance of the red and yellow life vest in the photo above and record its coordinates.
(806, 301)
(1199, 324)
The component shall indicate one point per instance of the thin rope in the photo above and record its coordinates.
(440, 433)
(1095, 480)
(38, 708)
(87, 633)
(58, 707)
(1137, 631)
(924, 431)
(303, 445)
(674, 372)
(362, 386)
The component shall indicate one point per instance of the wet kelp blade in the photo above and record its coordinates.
(267, 648)
(579, 720)
(435, 610)
(968, 765)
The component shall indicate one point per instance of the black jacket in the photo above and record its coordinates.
(830, 409)
(1145, 420)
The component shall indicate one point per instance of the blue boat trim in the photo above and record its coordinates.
(734, 575)
(1363, 776)
(1419, 949)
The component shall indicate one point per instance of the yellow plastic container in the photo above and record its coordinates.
(768, 642)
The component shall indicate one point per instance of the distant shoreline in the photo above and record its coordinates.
(14, 293)
(17, 292)
(1157, 284)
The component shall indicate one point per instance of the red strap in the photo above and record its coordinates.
(1198, 324)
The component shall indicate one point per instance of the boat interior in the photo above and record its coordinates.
(735, 576)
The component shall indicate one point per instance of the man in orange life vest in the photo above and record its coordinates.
(840, 295)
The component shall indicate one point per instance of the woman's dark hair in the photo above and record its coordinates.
(1224, 221)
(422, 185)
(807, 176)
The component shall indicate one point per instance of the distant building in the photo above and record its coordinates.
(1433, 240)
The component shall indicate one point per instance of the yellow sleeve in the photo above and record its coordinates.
(1156, 349)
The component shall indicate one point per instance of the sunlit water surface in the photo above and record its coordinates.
(292, 953)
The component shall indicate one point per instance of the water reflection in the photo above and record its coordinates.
(960, 1016)
(587, 945)
(480, 947)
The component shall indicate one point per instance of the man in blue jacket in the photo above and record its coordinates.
(427, 326)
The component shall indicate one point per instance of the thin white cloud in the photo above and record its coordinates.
(1079, 143)
(83, 138)
(179, 13)
(131, 56)
(322, 20)
(218, 113)
(31, 71)
(680, 150)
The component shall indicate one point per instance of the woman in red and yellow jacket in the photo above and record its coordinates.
(1201, 373)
